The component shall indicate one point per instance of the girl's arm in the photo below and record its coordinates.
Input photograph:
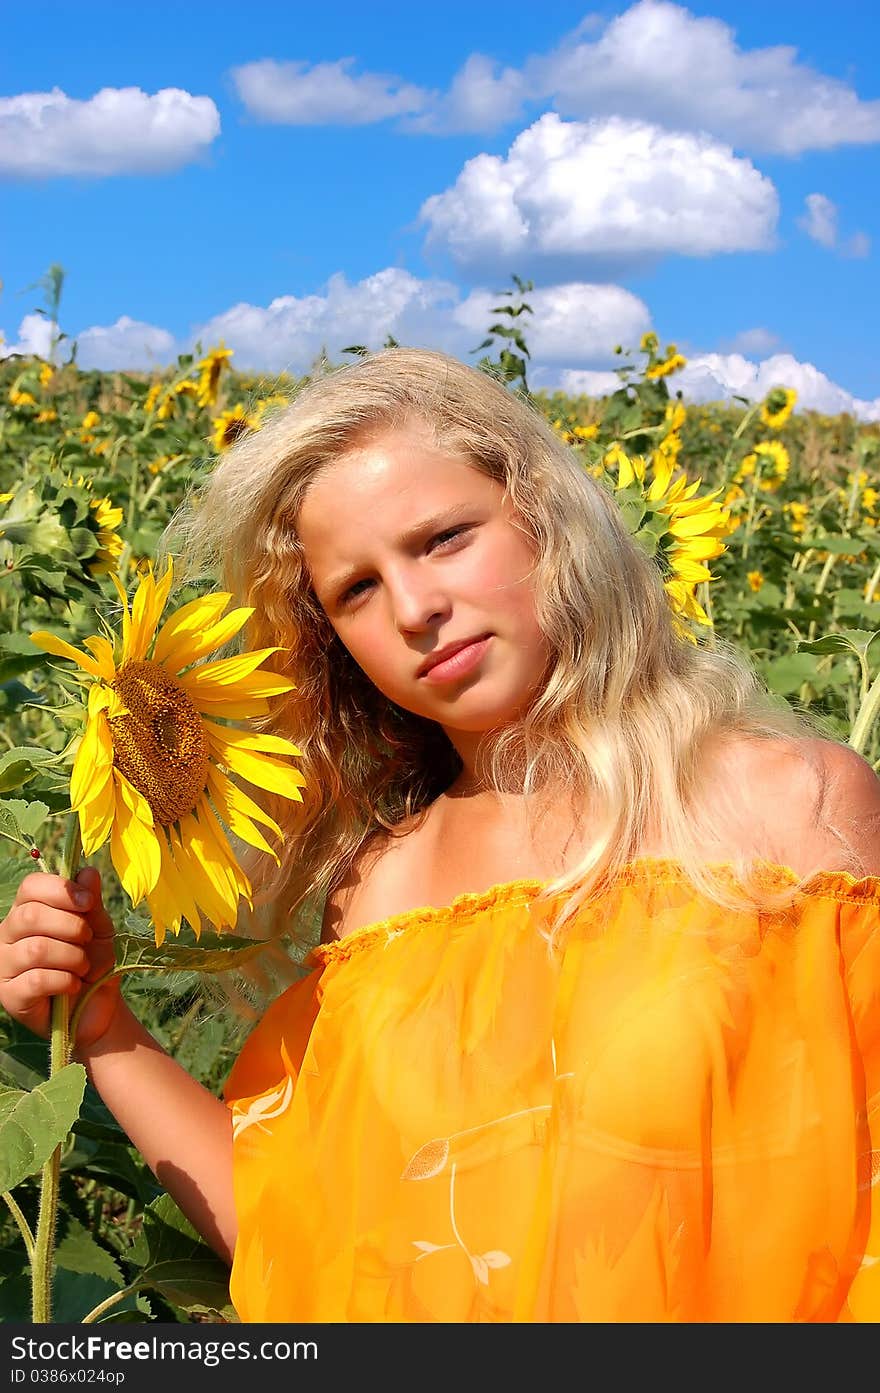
(183, 1132)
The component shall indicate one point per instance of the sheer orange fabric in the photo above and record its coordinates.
(667, 1119)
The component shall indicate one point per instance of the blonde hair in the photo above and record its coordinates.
(627, 709)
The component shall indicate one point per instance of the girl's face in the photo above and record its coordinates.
(410, 550)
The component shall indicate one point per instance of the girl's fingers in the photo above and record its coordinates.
(58, 893)
(89, 880)
(33, 919)
(38, 954)
(26, 995)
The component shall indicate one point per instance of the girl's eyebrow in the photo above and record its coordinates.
(446, 515)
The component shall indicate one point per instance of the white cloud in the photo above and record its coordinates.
(128, 343)
(579, 323)
(578, 382)
(34, 338)
(574, 324)
(752, 342)
(482, 97)
(820, 219)
(303, 94)
(118, 131)
(718, 377)
(614, 191)
(656, 62)
(660, 63)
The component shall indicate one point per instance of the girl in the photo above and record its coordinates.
(593, 1029)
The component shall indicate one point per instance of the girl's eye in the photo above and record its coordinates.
(450, 532)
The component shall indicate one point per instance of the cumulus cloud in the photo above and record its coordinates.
(572, 323)
(719, 377)
(127, 344)
(612, 192)
(118, 131)
(752, 342)
(715, 376)
(659, 62)
(819, 221)
(313, 94)
(34, 338)
(483, 96)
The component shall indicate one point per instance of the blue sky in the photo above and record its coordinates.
(298, 177)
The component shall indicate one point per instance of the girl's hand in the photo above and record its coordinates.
(56, 937)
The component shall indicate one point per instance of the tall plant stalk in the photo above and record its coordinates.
(59, 1056)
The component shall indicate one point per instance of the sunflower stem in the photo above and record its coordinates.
(59, 1054)
(868, 713)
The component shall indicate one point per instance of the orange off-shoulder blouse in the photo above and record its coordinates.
(668, 1118)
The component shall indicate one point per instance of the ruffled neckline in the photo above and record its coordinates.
(838, 885)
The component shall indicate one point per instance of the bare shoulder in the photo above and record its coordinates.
(819, 802)
(373, 881)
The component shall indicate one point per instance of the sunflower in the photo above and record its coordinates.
(777, 406)
(110, 543)
(229, 426)
(156, 766)
(673, 363)
(681, 530)
(210, 369)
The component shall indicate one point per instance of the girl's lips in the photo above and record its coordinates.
(461, 662)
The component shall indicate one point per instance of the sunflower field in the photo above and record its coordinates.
(763, 521)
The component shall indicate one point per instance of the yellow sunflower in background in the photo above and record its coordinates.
(680, 529)
(230, 425)
(210, 369)
(155, 770)
(110, 543)
(777, 406)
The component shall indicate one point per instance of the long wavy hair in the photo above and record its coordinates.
(626, 710)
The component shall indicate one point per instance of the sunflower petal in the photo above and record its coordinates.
(211, 638)
(134, 849)
(231, 796)
(93, 765)
(96, 818)
(188, 621)
(170, 902)
(146, 610)
(211, 679)
(221, 737)
(126, 617)
(235, 710)
(200, 861)
(265, 772)
(238, 882)
(103, 651)
(59, 649)
(238, 822)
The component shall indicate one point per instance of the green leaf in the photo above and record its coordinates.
(787, 674)
(837, 545)
(856, 641)
(177, 1263)
(33, 1124)
(78, 1252)
(20, 821)
(18, 655)
(215, 953)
